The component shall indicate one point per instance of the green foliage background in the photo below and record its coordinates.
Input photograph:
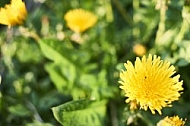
(49, 79)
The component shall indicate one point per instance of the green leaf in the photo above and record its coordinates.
(182, 62)
(36, 123)
(25, 51)
(81, 112)
(63, 76)
(19, 110)
(50, 50)
(65, 80)
(58, 53)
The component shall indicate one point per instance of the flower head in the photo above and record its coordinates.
(133, 105)
(13, 14)
(151, 83)
(171, 121)
(80, 20)
(139, 49)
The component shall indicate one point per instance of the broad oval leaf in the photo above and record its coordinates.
(82, 112)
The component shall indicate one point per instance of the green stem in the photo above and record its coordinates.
(161, 26)
(122, 11)
(34, 111)
(136, 30)
(114, 120)
(109, 14)
(184, 27)
(182, 32)
(9, 34)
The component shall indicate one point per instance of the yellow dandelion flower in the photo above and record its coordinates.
(151, 83)
(171, 121)
(13, 14)
(139, 49)
(133, 105)
(80, 20)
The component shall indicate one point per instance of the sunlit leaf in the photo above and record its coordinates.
(36, 123)
(54, 50)
(81, 112)
(19, 110)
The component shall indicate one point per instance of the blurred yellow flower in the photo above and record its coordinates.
(133, 105)
(139, 49)
(80, 20)
(151, 83)
(171, 121)
(13, 14)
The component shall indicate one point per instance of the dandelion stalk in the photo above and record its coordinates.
(114, 120)
(136, 30)
(122, 11)
(161, 5)
(9, 34)
(183, 30)
(34, 111)
(185, 23)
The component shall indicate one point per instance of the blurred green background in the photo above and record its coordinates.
(33, 81)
